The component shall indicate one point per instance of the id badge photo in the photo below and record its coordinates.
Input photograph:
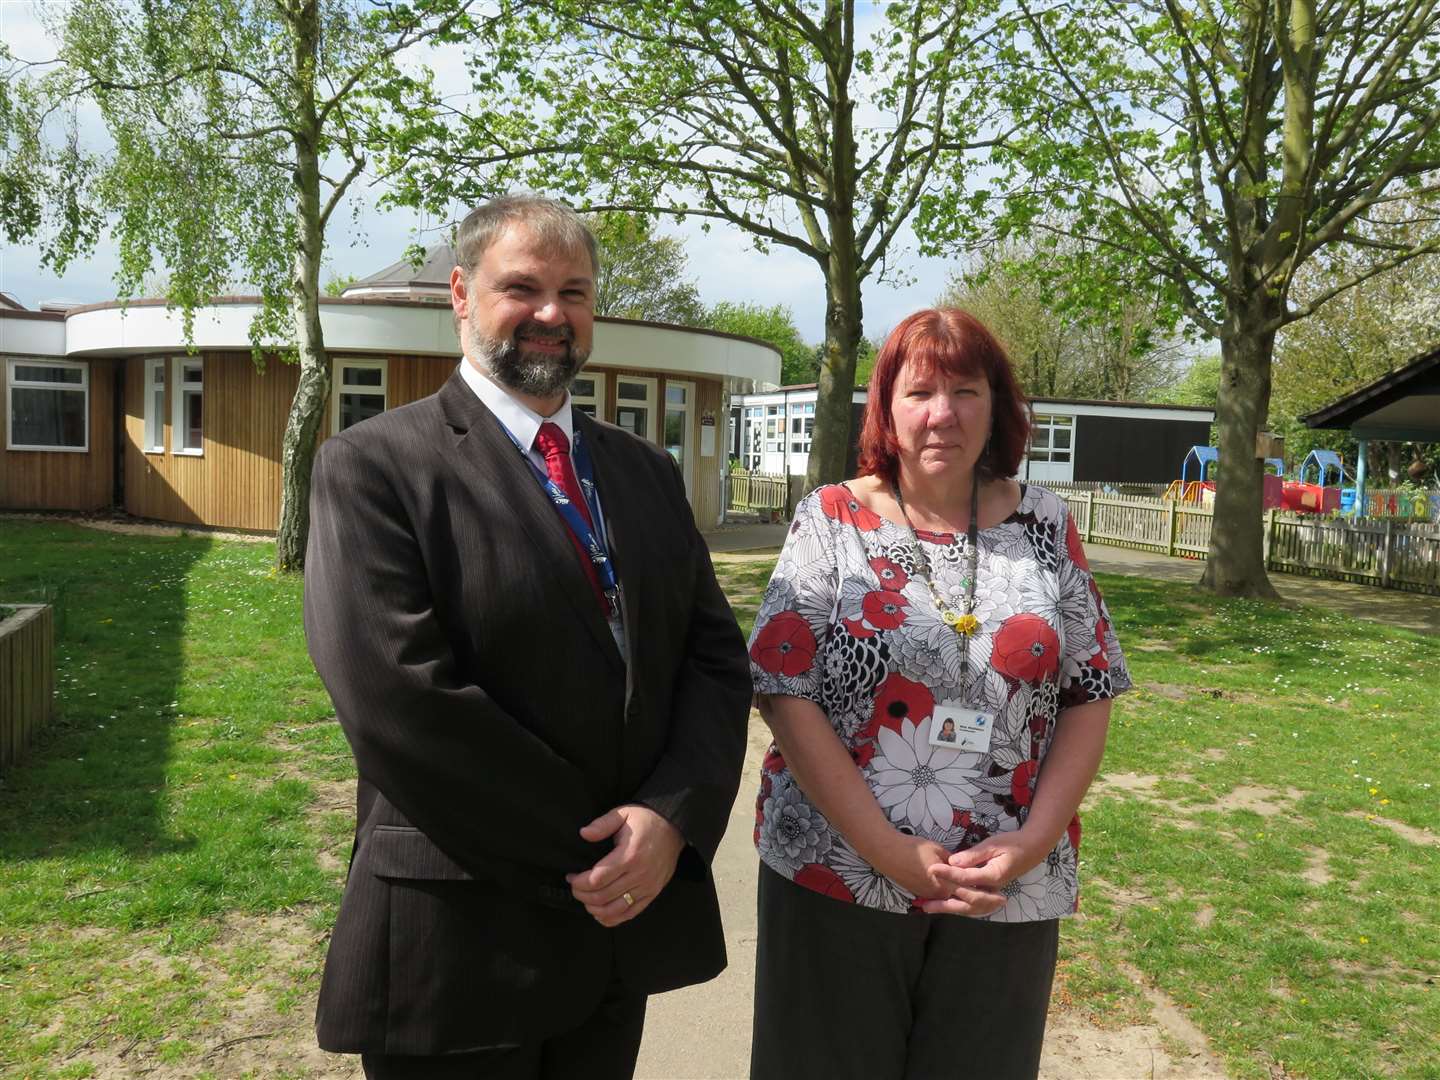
(955, 727)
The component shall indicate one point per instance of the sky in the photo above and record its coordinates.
(722, 262)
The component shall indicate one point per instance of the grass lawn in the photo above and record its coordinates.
(1262, 849)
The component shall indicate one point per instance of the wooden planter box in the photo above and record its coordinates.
(27, 676)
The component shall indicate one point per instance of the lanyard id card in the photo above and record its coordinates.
(953, 727)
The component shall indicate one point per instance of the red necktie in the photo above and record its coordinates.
(551, 442)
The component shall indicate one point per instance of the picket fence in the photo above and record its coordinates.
(1391, 554)
(764, 492)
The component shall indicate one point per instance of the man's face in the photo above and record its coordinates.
(527, 313)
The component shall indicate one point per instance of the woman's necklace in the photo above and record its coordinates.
(964, 622)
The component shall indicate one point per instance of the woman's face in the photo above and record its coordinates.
(941, 421)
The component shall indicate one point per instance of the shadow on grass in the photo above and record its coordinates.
(94, 780)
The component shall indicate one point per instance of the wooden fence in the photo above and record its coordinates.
(27, 676)
(1391, 554)
(755, 491)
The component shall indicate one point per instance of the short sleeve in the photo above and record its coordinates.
(1092, 665)
(797, 611)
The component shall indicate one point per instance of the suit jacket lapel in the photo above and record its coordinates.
(488, 457)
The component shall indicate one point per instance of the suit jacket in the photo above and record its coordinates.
(491, 716)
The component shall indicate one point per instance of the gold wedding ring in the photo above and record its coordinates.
(629, 900)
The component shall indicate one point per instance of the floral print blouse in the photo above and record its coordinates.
(847, 623)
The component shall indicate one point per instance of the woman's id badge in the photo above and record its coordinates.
(955, 728)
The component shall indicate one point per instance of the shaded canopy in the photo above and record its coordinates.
(1403, 406)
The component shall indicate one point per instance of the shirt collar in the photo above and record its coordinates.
(520, 420)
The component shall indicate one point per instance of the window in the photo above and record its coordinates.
(1052, 438)
(154, 405)
(587, 393)
(359, 392)
(754, 419)
(774, 429)
(679, 400)
(635, 405)
(49, 405)
(188, 403)
(802, 427)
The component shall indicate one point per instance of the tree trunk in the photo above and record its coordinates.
(1236, 565)
(831, 444)
(307, 408)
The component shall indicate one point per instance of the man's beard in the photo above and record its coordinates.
(534, 373)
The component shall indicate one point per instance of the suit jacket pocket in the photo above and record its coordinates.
(397, 851)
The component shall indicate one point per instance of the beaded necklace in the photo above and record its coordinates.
(964, 623)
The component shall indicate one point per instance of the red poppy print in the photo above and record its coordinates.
(1074, 546)
(891, 574)
(837, 502)
(858, 628)
(899, 699)
(824, 881)
(785, 646)
(1022, 782)
(1026, 648)
(1072, 831)
(884, 610)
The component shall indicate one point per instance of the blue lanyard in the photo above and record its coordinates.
(595, 544)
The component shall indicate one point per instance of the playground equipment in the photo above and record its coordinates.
(1316, 496)
(1201, 491)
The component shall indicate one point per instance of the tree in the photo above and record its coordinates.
(776, 117)
(775, 325)
(1376, 327)
(1061, 347)
(1221, 146)
(1200, 385)
(641, 274)
(227, 118)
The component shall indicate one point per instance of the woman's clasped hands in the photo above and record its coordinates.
(968, 882)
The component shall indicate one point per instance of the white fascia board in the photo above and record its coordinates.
(413, 329)
(675, 349)
(1128, 412)
(32, 337)
(801, 397)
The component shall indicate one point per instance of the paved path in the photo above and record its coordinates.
(1412, 611)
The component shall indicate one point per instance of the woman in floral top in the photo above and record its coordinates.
(936, 664)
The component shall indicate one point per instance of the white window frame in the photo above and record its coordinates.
(651, 393)
(179, 391)
(800, 441)
(752, 447)
(687, 428)
(775, 429)
(153, 437)
(337, 385)
(1049, 423)
(596, 399)
(12, 384)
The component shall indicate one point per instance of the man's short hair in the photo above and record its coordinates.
(555, 225)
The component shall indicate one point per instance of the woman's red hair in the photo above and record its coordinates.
(955, 343)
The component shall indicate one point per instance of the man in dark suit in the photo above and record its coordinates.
(544, 689)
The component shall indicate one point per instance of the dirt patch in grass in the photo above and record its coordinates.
(1127, 783)
(1400, 829)
(1172, 691)
(1169, 1048)
(1267, 802)
(1317, 867)
(262, 1025)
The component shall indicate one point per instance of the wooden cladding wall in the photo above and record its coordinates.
(235, 483)
(63, 479)
(27, 677)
